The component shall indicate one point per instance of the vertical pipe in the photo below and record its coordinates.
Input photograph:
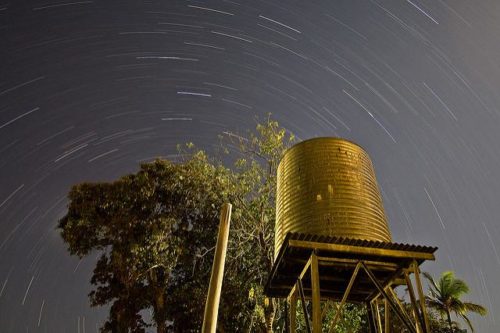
(316, 296)
(214, 289)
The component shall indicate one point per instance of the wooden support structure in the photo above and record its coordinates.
(326, 269)
(393, 302)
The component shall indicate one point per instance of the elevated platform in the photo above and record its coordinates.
(338, 259)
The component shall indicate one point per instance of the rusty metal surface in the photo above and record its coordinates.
(327, 186)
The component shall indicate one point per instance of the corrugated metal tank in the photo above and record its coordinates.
(327, 186)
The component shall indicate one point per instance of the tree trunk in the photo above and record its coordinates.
(161, 327)
(156, 281)
(449, 321)
(269, 313)
(122, 324)
(159, 313)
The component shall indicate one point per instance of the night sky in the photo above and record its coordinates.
(90, 89)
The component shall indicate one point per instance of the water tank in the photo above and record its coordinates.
(327, 186)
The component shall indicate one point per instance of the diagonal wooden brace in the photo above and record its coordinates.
(344, 297)
(303, 302)
(393, 305)
(414, 305)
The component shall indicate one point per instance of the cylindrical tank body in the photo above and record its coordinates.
(327, 186)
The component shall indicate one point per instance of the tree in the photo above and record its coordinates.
(445, 297)
(251, 243)
(156, 230)
(151, 229)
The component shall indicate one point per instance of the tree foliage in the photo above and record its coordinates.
(445, 298)
(152, 229)
(251, 248)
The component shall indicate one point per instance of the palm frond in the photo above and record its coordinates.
(433, 284)
(467, 320)
(476, 308)
(458, 287)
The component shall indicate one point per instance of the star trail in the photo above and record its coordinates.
(90, 89)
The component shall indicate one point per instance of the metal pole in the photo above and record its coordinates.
(214, 289)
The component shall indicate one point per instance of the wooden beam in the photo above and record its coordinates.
(351, 249)
(353, 262)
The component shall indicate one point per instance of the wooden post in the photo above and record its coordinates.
(316, 296)
(293, 310)
(214, 289)
(371, 320)
(414, 304)
(377, 315)
(421, 296)
(387, 317)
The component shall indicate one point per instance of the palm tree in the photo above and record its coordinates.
(445, 296)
